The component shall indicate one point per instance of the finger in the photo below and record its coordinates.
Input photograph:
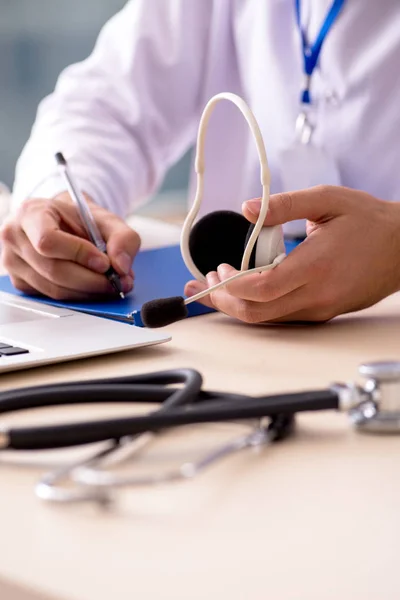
(12, 238)
(59, 272)
(29, 280)
(244, 310)
(195, 287)
(303, 317)
(67, 274)
(123, 242)
(314, 204)
(12, 235)
(301, 304)
(42, 228)
(316, 311)
(292, 273)
(22, 272)
(22, 286)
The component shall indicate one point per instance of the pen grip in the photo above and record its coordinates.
(84, 211)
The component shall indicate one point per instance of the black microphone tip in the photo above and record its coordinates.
(163, 311)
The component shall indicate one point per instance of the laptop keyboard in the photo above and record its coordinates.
(8, 350)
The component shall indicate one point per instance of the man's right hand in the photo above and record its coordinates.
(46, 250)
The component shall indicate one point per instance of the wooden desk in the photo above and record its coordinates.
(316, 518)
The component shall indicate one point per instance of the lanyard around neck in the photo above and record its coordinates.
(311, 52)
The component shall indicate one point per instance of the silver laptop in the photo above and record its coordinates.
(34, 334)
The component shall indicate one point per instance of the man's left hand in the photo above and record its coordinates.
(350, 259)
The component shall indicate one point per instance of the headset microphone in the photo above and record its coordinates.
(163, 311)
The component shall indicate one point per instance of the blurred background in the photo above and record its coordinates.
(38, 38)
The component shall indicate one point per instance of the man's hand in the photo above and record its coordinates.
(46, 250)
(350, 259)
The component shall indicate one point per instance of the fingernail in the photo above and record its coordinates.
(99, 264)
(224, 271)
(212, 278)
(124, 262)
(253, 206)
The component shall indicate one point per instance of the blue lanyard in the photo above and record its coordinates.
(311, 52)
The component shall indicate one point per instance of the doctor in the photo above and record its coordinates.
(322, 77)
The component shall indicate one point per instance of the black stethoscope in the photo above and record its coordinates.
(372, 407)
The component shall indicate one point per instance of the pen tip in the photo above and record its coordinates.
(60, 159)
(122, 295)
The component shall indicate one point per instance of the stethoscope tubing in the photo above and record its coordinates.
(181, 406)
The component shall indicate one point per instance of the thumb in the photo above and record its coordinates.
(122, 241)
(315, 204)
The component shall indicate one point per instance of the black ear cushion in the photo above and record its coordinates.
(218, 237)
(252, 261)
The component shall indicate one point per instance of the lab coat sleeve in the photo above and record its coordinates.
(125, 114)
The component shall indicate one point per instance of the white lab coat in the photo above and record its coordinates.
(129, 111)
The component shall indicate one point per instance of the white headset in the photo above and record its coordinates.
(267, 242)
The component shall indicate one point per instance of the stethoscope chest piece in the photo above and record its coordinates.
(380, 412)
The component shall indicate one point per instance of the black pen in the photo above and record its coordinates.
(87, 220)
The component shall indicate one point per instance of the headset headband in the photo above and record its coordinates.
(200, 169)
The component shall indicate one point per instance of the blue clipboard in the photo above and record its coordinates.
(159, 273)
